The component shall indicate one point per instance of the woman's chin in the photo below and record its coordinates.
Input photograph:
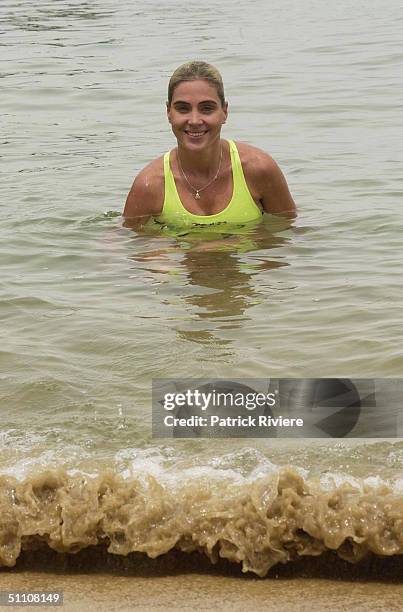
(196, 141)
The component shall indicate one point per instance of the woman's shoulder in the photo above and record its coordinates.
(151, 179)
(146, 195)
(265, 177)
(153, 173)
(253, 159)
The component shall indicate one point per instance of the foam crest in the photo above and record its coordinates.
(256, 521)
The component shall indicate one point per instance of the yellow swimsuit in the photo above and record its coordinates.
(241, 209)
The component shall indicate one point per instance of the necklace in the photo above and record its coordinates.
(197, 191)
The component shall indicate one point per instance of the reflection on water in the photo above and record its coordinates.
(214, 276)
(229, 278)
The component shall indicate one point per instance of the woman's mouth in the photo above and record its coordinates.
(195, 134)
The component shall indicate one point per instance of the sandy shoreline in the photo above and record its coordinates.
(93, 580)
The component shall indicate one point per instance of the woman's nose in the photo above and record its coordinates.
(195, 118)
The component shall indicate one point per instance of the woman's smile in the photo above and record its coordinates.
(194, 134)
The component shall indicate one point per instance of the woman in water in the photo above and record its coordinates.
(205, 180)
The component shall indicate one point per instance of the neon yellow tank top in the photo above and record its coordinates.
(241, 209)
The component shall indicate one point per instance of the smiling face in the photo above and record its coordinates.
(196, 114)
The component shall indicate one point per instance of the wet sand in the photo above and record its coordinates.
(94, 580)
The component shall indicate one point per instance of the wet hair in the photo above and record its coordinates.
(195, 71)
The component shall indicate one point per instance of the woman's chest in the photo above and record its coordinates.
(211, 199)
(205, 201)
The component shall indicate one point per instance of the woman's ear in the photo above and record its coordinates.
(225, 111)
(168, 111)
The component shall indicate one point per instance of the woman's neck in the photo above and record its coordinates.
(200, 163)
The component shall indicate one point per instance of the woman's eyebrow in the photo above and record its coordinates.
(184, 103)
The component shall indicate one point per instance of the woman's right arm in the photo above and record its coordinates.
(145, 197)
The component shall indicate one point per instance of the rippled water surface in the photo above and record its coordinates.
(92, 311)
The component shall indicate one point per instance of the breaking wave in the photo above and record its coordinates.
(259, 521)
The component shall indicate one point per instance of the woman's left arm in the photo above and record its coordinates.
(275, 194)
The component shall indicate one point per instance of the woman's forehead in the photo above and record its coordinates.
(195, 89)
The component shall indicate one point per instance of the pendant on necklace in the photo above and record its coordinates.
(197, 196)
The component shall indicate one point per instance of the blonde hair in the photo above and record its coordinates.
(194, 71)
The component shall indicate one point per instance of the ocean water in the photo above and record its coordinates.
(91, 311)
